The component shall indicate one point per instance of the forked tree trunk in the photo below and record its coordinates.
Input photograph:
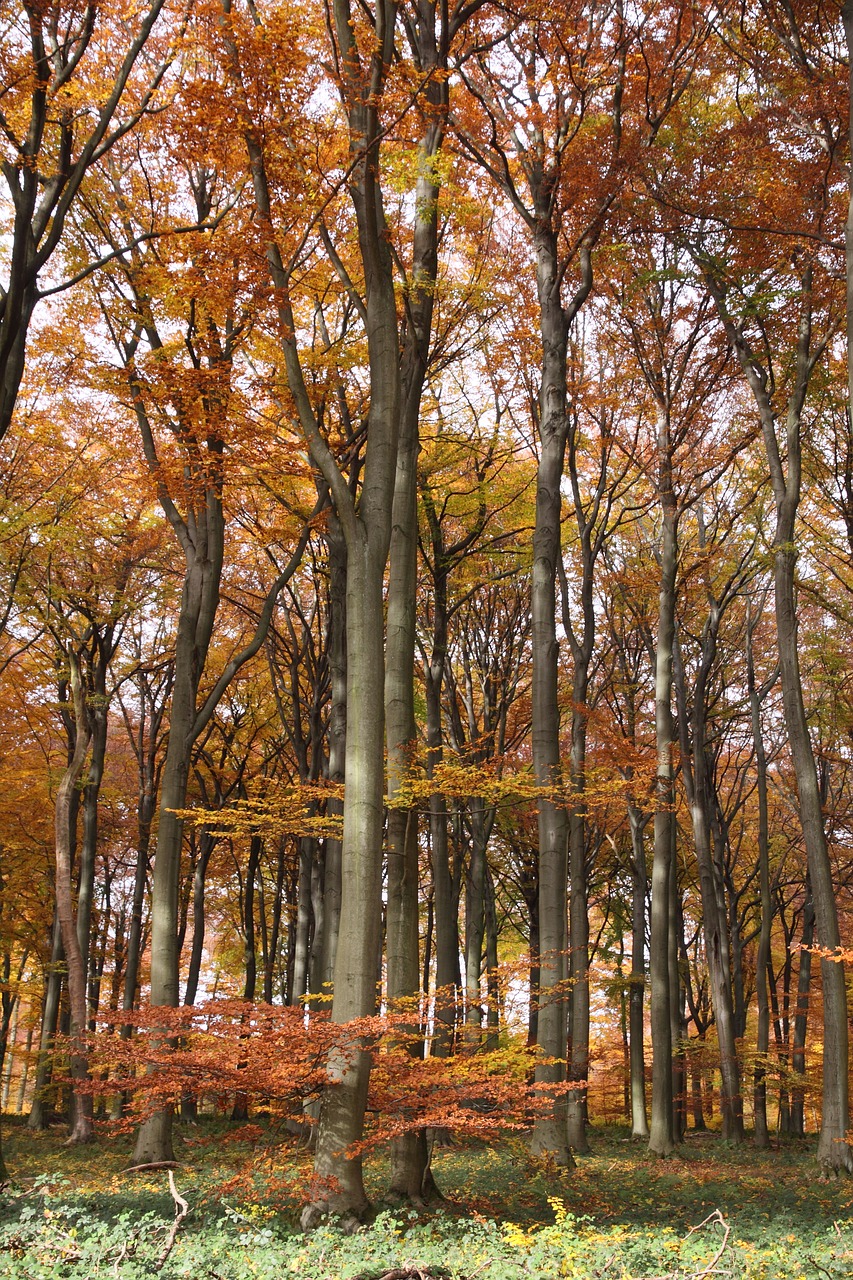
(411, 1178)
(697, 783)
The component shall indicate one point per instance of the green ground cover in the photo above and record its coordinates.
(74, 1213)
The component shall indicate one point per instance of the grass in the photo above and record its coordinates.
(72, 1212)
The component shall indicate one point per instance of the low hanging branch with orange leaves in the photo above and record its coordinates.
(277, 1057)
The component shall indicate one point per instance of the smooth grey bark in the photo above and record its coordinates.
(630, 650)
(411, 1177)
(240, 1110)
(302, 932)
(475, 919)
(147, 742)
(318, 911)
(762, 963)
(441, 559)
(50, 1012)
(154, 694)
(82, 1128)
(555, 320)
(677, 1019)
(274, 934)
(591, 518)
(662, 1135)
(797, 1123)
(636, 1005)
(337, 651)
(25, 1071)
(783, 449)
(206, 845)
(493, 1008)
(202, 541)
(697, 783)
(366, 525)
(549, 1130)
(102, 646)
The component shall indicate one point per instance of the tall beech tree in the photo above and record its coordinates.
(672, 341)
(361, 51)
(182, 400)
(430, 31)
(553, 77)
(784, 458)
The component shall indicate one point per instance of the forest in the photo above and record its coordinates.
(426, 538)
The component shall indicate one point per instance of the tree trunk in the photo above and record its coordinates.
(345, 1098)
(302, 946)
(801, 1021)
(271, 955)
(662, 1136)
(493, 1009)
(636, 1020)
(833, 1152)
(53, 988)
(447, 975)
(240, 1110)
(199, 601)
(579, 922)
(697, 785)
(337, 645)
(411, 1177)
(549, 1130)
(82, 1129)
(785, 467)
(762, 1046)
(676, 990)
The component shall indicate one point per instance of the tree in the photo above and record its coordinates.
(51, 145)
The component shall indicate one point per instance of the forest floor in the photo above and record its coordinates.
(712, 1210)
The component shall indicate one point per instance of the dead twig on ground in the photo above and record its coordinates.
(181, 1211)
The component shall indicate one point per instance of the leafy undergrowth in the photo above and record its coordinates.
(711, 1211)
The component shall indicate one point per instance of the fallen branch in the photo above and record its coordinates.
(181, 1211)
(715, 1217)
(147, 1168)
